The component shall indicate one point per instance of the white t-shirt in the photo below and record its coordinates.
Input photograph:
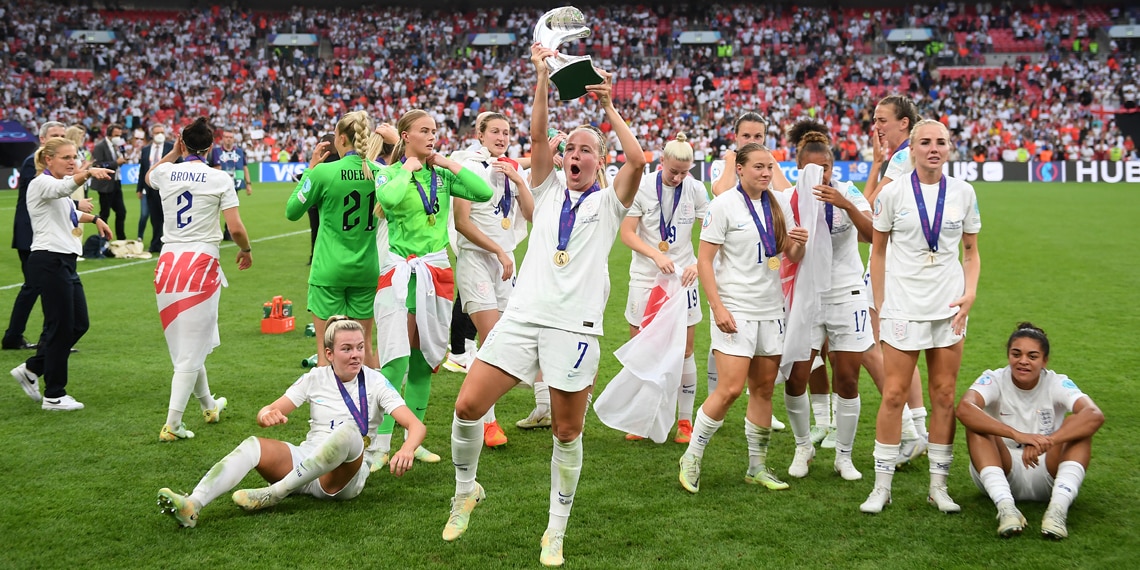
(846, 265)
(488, 216)
(1038, 411)
(572, 297)
(53, 214)
(746, 285)
(917, 289)
(693, 205)
(899, 166)
(193, 196)
(327, 409)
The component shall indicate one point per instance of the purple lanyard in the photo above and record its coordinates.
(569, 214)
(930, 230)
(905, 144)
(829, 212)
(505, 201)
(431, 204)
(192, 158)
(767, 231)
(359, 415)
(664, 226)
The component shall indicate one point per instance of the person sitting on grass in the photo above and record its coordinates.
(348, 401)
(1021, 409)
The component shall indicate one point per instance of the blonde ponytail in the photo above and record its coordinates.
(357, 127)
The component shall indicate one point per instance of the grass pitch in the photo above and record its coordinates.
(80, 486)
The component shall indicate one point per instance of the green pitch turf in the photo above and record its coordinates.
(79, 487)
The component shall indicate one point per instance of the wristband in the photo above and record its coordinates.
(246, 250)
(94, 219)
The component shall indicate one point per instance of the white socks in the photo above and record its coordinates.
(919, 417)
(908, 431)
(384, 443)
(228, 472)
(712, 372)
(542, 396)
(846, 421)
(344, 444)
(490, 415)
(820, 408)
(687, 395)
(885, 455)
(703, 430)
(940, 455)
(202, 391)
(1067, 484)
(466, 443)
(181, 386)
(757, 438)
(996, 485)
(798, 417)
(565, 469)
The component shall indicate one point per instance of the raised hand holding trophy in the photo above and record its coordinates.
(571, 74)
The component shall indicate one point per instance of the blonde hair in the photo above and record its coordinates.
(76, 134)
(679, 148)
(357, 127)
(914, 135)
(48, 150)
(336, 324)
(779, 226)
(600, 173)
(403, 125)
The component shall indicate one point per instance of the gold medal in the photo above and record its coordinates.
(506, 223)
(774, 263)
(77, 232)
(561, 258)
(664, 247)
(431, 219)
(367, 442)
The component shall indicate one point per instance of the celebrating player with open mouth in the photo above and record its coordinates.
(554, 319)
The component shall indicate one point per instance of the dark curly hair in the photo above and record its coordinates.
(198, 136)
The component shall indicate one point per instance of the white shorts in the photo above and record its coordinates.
(752, 338)
(568, 360)
(846, 325)
(919, 335)
(479, 276)
(350, 491)
(639, 296)
(1026, 484)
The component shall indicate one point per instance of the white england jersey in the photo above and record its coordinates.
(917, 288)
(746, 285)
(693, 205)
(488, 216)
(899, 166)
(327, 409)
(846, 265)
(573, 297)
(1038, 411)
(193, 196)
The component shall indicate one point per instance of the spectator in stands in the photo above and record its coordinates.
(150, 200)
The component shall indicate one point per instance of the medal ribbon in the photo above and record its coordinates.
(829, 212)
(359, 415)
(931, 229)
(193, 157)
(74, 213)
(430, 204)
(664, 226)
(768, 230)
(569, 214)
(505, 201)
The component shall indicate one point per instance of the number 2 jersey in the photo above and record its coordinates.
(193, 196)
(345, 252)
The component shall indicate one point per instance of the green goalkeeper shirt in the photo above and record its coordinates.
(345, 252)
(409, 231)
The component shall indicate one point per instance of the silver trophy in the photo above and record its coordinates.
(571, 74)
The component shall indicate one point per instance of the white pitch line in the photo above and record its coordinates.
(152, 260)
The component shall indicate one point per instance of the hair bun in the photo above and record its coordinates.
(681, 137)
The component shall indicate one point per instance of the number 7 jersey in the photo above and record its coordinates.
(193, 196)
(345, 252)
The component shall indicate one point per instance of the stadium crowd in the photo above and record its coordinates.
(1057, 98)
